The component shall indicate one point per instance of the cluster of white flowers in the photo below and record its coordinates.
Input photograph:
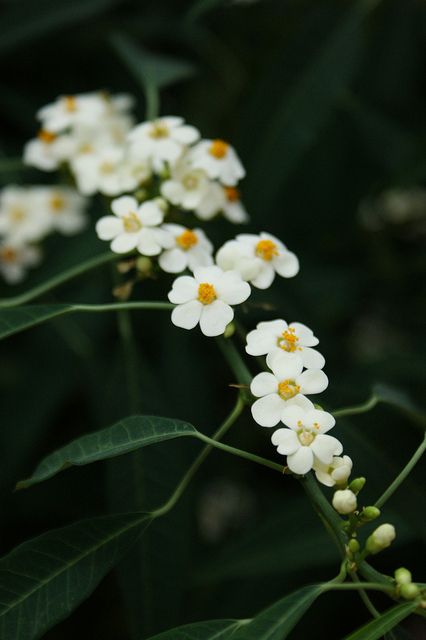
(27, 216)
(295, 372)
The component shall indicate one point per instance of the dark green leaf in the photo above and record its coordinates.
(211, 630)
(124, 436)
(379, 626)
(18, 319)
(45, 579)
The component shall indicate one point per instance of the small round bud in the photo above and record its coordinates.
(344, 501)
(370, 513)
(141, 195)
(381, 538)
(353, 545)
(357, 484)
(230, 330)
(162, 204)
(144, 265)
(409, 591)
(403, 576)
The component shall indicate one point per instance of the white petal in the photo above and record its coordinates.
(285, 365)
(267, 410)
(305, 334)
(215, 317)
(148, 244)
(232, 289)
(187, 316)
(150, 214)
(325, 478)
(173, 191)
(312, 381)
(208, 274)
(263, 384)
(124, 205)
(300, 401)
(273, 326)
(186, 134)
(292, 415)
(325, 447)
(109, 227)
(173, 260)
(260, 343)
(184, 289)
(312, 359)
(286, 441)
(265, 277)
(301, 462)
(322, 418)
(286, 265)
(124, 242)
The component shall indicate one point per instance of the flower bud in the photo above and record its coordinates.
(370, 513)
(357, 484)
(353, 545)
(162, 204)
(141, 195)
(230, 330)
(403, 576)
(344, 501)
(144, 265)
(409, 591)
(381, 538)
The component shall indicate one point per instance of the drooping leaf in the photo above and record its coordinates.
(43, 580)
(375, 629)
(274, 623)
(127, 435)
(149, 68)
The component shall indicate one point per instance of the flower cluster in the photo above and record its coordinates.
(295, 371)
(27, 216)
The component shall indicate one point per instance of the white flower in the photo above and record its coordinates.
(48, 150)
(187, 186)
(108, 171)
(68, 111)
(219, 160)
(161, 141)
(22, 219)
(232, 208)
(15, 259)
(344, 501)
(66, 208)
(212, 202)
(277, 334)
(135, 226)
(337, 472)
(206, 299)
(306, 441)
(192, 249)
(381, 538)
(258, 258)
(285, 386)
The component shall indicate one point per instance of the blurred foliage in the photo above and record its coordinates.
(324, 100)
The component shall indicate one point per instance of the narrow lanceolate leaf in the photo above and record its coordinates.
(379, 626)
(124, 436)
(274, 623)
(151, 68)
(45, 579)
(16, 319)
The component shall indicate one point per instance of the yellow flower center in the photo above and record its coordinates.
(288, 389)
(218, 149)
(187, 239)
(57, 203)
(70, 104)
(190, 182)
(159, 130)
(206, 293)
(232, 194)
(266, 249)
(86, 148)
(7, 254)
(306, 437)
(46, 136)
(17, 214)
(288, 341)
(131, 223)
(106, 167)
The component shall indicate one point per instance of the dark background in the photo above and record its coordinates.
(324, 102)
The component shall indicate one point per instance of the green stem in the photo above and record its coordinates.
(357, 586)
(236, 363)
(402, 476)
(177, 493)
(241, 453)
(127, 338)
(152, 101)
(58, 280)
(360, 408)
(364, 597)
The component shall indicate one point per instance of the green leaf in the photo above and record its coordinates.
(379, 626)
(274, 623)
(306, 109)
(43, 580)
(156, 69)
(124, 436)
